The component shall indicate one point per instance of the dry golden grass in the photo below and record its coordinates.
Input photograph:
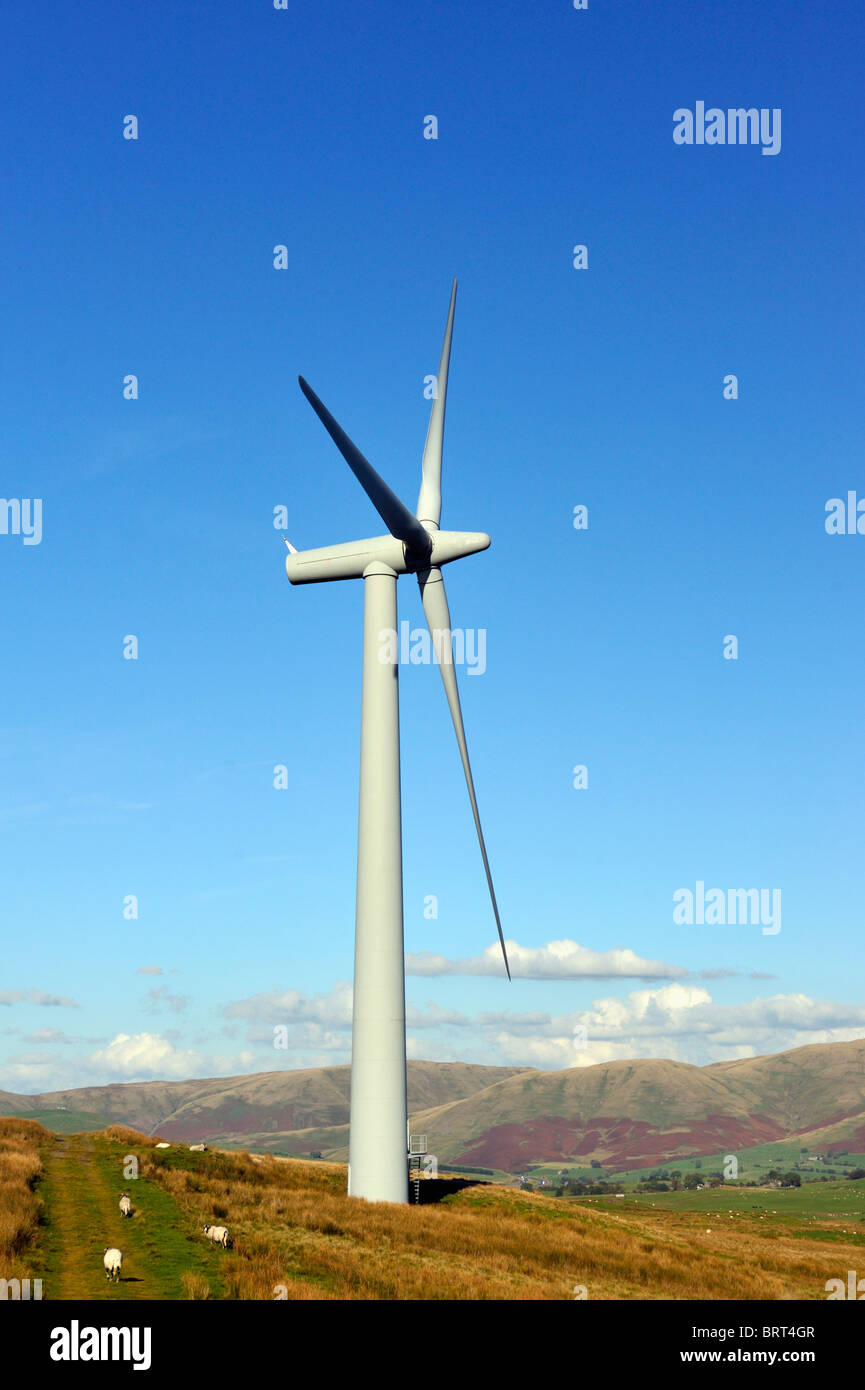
(20, 1166)
(124, 1135)
(195, 1286)
(296, 1235)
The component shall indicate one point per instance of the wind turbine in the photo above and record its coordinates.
(378, 1168)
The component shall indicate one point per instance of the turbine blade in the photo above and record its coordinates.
(429, 502)
(435, 607)
(395, 515)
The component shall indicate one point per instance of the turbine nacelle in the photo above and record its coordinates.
(352, 558)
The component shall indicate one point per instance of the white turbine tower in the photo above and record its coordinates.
(378, 1167)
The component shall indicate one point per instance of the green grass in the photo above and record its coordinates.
(834, 1200)
(67, 1121)
(754, 1164)
(80, 1193)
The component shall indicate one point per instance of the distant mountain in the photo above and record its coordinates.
(640, 1113)
(271, 1103)
(626, 1114)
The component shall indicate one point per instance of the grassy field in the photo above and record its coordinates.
(842, 1201)
(68, 1121)
(80, 1191)
(296, 1235)
(754, 1164)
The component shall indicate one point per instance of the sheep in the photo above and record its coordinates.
(197, 1148)
(218, 1234)
(125, 1205)
(112, 1260)
(162, 1146)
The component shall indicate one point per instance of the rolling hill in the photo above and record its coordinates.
(273, 1103)
(632, 1114)
(627, 1114)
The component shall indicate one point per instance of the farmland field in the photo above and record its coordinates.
(63, 1121)
(836, 1200)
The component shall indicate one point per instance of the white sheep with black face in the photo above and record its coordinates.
(112, 1260)
(218, 1234)
(125, 1205)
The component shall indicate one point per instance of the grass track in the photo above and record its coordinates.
(80, 1191)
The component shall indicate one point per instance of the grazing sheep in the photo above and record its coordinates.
(197, 1148)
(112, 1260)
(218, 1234)
(125, 1205)
(162, 1146)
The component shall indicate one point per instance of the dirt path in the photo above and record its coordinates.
(81, 1190)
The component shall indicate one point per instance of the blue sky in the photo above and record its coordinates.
(600, 387)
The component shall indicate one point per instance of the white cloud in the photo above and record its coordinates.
(677, 1021)
(127, 1057)
(315, 1030)
(150, 970)
(36, 996)
(55, 1036)
(434, 1017)
(558, 960)
(321, 1023)
(293, 1006)
(29, 1069)
(146, 1055)
(157, 999)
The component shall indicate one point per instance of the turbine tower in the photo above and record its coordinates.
(378, 1168)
